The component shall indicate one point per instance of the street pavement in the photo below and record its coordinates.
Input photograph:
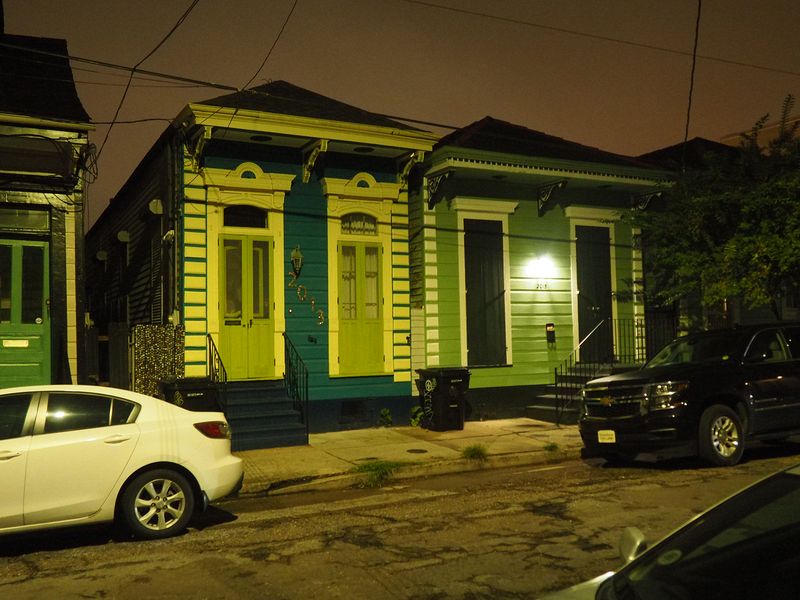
(329, 460)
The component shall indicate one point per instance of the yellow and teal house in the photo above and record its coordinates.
(264, 240)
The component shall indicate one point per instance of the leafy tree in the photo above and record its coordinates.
(730, 227)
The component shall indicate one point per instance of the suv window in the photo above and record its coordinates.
(695, 349)
(766, 347)
(70, 412)
(792, 335)
(12, 415)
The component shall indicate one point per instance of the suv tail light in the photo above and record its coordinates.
(214, 429)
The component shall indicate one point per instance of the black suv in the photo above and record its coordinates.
(703, 394)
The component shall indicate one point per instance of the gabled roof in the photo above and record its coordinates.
(692, 153)
(281, 97)
(36, 79)
(493, 135)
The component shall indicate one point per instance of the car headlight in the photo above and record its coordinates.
(663, 395)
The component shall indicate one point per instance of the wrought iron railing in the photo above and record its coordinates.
(613, 343)
(216, 372)
(296, 378)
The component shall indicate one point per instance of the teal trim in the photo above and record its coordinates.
(191, 259)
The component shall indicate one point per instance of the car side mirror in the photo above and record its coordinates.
(631, 544)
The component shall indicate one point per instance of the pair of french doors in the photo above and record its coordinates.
(247, 320)
(360, 309)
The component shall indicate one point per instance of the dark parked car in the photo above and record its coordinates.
(705, 394)
(745, 547)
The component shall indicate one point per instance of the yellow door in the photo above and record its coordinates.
(247, 325)
(360, 309)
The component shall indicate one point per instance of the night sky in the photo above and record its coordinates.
(608, 73)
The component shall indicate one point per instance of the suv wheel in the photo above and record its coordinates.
(721, 436)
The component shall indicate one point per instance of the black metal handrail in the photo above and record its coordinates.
(616, 342)
(216, 371)
(296, 378)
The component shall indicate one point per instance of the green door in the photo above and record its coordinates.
(247, 326)
(360, 308)
(24, 313)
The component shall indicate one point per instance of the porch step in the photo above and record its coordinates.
(262, 415)
(545, 408)
(252, 436)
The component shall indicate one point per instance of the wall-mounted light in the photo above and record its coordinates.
(297, 261)
(541, 267)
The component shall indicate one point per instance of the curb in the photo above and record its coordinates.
(343, 481)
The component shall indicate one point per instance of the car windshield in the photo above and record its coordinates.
(747, 547)
(694, 349)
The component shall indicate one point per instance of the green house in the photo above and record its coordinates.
(45, 169)
(521, 260)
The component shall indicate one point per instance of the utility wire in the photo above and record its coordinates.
(274, 43)
(603, 38)
(691, 85)
(137, 65)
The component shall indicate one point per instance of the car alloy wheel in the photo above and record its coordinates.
(720, 436)
(158, 504)
(725, 436)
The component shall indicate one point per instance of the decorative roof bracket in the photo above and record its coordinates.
(405, 165)
(195, 140)
(544, 193)
(435, 191)
(313, 151)
(641, 201)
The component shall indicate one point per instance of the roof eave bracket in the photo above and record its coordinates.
(641, 201)
(310, 155)
(436, 188)
(545, 192)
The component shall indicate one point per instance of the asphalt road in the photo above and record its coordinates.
(501, 533)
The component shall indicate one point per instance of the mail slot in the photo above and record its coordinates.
(16, 343)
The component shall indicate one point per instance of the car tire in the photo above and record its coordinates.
(157, 504)
(721, 436)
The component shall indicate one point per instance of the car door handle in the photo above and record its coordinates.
(116, 439)
(8, 455)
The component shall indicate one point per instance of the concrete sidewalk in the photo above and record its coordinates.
(329, 459)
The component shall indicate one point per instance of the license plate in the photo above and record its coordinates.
(607, 436)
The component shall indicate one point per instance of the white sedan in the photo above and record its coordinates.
(73, 455)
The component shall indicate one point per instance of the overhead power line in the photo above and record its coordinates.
(274, 43)
(603, 38)
(180, 20)
(691, 84)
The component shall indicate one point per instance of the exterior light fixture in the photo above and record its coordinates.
(541, 271)
(297, 261)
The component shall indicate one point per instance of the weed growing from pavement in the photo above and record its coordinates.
(551, 447)
(416, 416)
(475, 452)
(385, 418)
(377, 472)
